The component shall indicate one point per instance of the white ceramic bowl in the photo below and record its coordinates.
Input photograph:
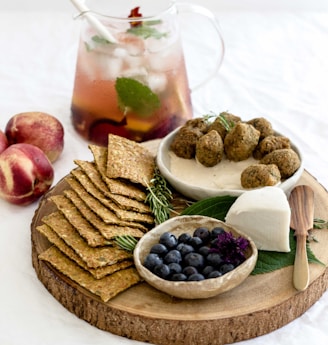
(195, 289)
(197, 192)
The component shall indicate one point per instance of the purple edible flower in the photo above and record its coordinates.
(231, 249)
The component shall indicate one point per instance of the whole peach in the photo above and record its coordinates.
(37, 128)
(3, 141)
(25, 174)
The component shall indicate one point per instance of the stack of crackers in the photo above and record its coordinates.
(104, 199)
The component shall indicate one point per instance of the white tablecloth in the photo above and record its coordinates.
(276, 66)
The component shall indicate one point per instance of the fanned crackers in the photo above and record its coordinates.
(93, 257)
(106, 287)
(96, 171)
(112, 228)
(98, 272)
(85, 229)
(104, 199)
(123, 207)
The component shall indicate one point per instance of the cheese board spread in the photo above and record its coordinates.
(261, 304)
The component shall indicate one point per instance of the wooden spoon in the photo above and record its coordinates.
(301, 201)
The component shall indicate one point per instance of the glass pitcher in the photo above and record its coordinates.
(131, 77)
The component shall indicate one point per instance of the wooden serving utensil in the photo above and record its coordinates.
(301, 201)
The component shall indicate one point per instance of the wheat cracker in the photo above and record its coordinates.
(116, 186)
(129, 160)
(110, 186)
(97, 273)
(93, 237)
(109, 231)
(106, 287)
(93, 256)
(132, 210)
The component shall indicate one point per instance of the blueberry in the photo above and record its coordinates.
(175, 268)
(159, 249)
(179, 277)
(189, 270)
(207, 270)
(184, 248)
(202, 233)
(196, 277)
(216, 231)
(162, 271)
(214, 274)
(184, 238)
(225, 268)
(214, 259)
(204, 250)
(173, 256)
(196, 242)
(194, 259)
(168, 239)
(152, 260)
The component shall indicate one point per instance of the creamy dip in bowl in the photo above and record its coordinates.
(197, 182)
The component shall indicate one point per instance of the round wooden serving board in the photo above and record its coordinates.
(261, 304)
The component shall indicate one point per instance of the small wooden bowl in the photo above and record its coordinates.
(195, 289)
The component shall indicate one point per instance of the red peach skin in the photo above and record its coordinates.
(25, 174)
(3, 141)
(37, 128)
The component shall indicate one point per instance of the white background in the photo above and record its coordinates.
(276, 65)
(211, 4)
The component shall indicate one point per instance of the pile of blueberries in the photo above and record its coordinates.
(187, 257)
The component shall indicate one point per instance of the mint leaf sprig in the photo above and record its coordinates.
(147, 31)
(137, 97)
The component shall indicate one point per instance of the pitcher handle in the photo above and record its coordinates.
(197, 9)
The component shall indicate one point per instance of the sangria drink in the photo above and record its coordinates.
(134, 86)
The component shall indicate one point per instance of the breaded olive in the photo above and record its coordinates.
(241, 141)
(269, 144)
(209, 149)
(263, 125)
(197, 123)
(184, 142)
(260, 175)
(219, 123)
(287, 161)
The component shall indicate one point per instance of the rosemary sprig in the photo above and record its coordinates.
(222, 118)
(226, 124)
(159, 197)
(320, 223)
(317, 224)
(208, 117)
(126, 242)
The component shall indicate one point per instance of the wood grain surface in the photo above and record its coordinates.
(261, 304)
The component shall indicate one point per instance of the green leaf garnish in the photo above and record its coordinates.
(146, 31)
(270, 261)
(135, 96)
(100, 40)
(217, 207)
